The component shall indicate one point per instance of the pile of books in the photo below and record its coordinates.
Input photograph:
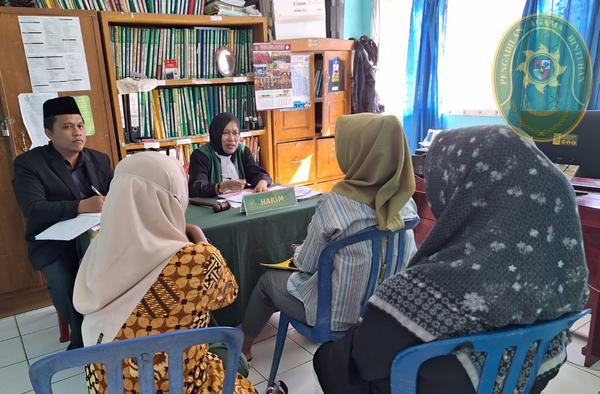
(230, 8)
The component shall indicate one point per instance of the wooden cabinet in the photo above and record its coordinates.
(327, 164)
(291, 125)
(296, 162)
(21, 287)
(330, 62)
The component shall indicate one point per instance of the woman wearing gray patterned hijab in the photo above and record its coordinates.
(506, 250)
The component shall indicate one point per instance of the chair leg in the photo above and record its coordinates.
(63, 329)
(281, 335)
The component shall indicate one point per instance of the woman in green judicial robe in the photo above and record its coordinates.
(225, 165)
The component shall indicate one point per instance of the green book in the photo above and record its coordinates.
(183, 131)
(203, 109)
(163, 111)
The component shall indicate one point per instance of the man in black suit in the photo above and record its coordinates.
(56, 182)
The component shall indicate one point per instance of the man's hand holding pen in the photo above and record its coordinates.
(92, 204)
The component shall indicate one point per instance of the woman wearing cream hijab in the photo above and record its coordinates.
(376, 190)
(142, 275)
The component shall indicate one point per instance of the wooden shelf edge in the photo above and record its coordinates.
(198, 139)
(150, 144)
(204, 81)
(133, 18)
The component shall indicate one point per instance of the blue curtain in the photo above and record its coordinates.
(594, 47)
(426, 35)
(585, 16)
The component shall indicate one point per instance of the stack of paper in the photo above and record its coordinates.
(230, 8)
(70, 229)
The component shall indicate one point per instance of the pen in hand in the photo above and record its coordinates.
(91, 204)
(96, 191)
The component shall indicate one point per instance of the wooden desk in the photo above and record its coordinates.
(247, 241)
(589, 212)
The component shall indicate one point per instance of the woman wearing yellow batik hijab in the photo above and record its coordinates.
(147, 272)
(376, 190)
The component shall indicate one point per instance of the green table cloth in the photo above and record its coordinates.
(247, 241)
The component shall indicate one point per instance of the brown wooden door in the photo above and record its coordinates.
(295, 124)
(17, 273)
(336, 88)
(21, 287)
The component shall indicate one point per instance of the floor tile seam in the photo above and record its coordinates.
(9, 339)
(279, 372)
(45, 354)
(576, 328)
(39, 330)
(22, 342)
(15, 363)
(299, 344)
(584, 369)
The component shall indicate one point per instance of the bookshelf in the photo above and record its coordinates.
(303, 140)
(191, 7)
(178, 111)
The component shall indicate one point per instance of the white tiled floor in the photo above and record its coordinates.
(30, 336)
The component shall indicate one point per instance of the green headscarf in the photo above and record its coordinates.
(373, 154)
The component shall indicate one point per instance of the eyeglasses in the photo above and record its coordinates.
(234, 133)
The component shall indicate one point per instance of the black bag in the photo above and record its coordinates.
(364, 96)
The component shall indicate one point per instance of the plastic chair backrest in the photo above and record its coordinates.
(325, 265)
(406, 364)
(143, 350)
(321, 331)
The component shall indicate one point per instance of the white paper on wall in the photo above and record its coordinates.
(55, 53)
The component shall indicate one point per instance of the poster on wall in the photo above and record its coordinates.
(55, 54)
(301, 81)
(336, 75)
(272, 76)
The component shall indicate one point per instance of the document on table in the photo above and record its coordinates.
(302, 192)
(235, 198)
(71, 228)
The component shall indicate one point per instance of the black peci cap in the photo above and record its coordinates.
(61, 106)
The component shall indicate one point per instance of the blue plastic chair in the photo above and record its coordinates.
(406, 364)
(143, 350)
(321, 331)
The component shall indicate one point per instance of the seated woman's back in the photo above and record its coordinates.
(142, 276)
(376, 190)
(507, 248)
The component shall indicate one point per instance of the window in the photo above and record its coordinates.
(394, 23)
(473, 30)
